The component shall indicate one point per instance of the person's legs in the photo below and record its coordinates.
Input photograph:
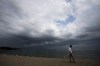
(70, 58)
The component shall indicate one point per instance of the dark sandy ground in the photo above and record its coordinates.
(10, 60)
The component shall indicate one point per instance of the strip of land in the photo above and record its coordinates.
(11, 60)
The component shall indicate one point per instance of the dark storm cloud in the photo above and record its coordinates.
(16, 32)
(16, 29)
(20, 41)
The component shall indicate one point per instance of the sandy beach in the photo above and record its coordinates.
(10, 60)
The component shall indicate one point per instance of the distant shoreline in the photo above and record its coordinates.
(9, 48)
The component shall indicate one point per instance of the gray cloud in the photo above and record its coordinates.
(26, 23)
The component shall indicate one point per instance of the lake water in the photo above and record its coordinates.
(44, 52)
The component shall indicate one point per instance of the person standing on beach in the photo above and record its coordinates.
(70, 54)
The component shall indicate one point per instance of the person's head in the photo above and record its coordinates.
(70, 46)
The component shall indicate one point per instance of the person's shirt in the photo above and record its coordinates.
(70, 49)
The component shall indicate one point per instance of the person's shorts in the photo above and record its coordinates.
(70, 54)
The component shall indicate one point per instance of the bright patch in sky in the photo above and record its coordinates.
(70, 19)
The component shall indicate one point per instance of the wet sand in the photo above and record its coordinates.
(11, 60)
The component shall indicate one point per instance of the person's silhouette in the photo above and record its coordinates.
(70, 54)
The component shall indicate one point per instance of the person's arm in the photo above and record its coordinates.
(70, 52)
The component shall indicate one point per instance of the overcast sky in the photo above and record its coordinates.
(49, 22)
